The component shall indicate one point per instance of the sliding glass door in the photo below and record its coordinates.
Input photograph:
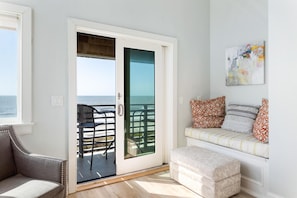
(139, 105)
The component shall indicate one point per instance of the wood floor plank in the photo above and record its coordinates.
(115, 179)
(157, 185)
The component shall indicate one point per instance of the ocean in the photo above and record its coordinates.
(8, 104)
(110, 100)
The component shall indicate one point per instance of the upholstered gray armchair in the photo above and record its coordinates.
(27, 175)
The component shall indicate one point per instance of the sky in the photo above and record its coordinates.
(8, 62)
(142, 79)
(97, 77)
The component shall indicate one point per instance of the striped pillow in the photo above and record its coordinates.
(240, 117)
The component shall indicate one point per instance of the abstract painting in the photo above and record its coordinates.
(245, 64)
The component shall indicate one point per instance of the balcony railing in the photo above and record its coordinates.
(141, 130)
(142, 126)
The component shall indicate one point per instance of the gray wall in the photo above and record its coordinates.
(234, 23)
(283, 96)
(200, 28)
(188, 22)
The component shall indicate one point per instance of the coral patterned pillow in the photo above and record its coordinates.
(261, 125)
(208, 113)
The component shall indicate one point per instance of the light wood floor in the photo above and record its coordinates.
(158, 185)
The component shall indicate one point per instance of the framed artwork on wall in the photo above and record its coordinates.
(245, 64)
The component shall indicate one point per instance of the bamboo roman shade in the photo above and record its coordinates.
(95, 46)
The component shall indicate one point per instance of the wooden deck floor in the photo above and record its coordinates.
(102, 167)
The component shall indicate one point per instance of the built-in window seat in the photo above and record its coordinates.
(244, 142)
(252, 154)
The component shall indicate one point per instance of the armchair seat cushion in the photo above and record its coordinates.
(19, 186)
(27, 175)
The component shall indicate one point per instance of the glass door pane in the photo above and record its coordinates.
(140, 96)
(139, 91)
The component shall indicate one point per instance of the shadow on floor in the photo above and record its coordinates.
(102, 167)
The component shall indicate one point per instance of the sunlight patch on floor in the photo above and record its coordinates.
(129, 184)
(162, 185)
(166, 189)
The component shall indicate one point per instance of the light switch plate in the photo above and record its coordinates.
(57, 100)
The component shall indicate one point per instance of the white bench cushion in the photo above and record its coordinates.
(244, 142)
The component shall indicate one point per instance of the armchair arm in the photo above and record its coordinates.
(37, 166)
(40, 167)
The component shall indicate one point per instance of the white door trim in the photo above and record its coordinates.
(170, 53)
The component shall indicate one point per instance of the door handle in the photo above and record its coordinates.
(120, 110)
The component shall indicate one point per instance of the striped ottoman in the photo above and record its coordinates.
(205, 172)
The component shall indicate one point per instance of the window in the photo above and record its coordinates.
(15, 64)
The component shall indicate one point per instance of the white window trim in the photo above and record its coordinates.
(24, 125)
